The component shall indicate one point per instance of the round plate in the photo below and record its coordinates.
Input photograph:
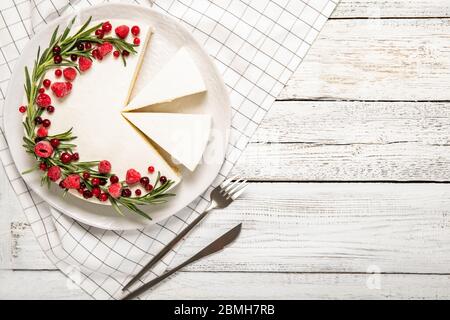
(169, 35)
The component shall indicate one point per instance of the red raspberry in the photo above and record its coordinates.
(54, 173)
(42, 132)
(135, 30)
(84, 63)
(132, 176)
(72, 181)
(61, 89)
(115, 190)
(105, 49)
(43, 100)
(70, 73)
(43, 149)
(104, 167)
(122, 31)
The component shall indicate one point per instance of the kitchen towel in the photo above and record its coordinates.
(256, 45)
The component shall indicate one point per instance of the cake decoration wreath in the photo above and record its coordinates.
(55, 153)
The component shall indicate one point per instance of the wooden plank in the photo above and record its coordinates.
(393, 59)
(392, 8)
(350, 141)
(204, 285)
(325, 227)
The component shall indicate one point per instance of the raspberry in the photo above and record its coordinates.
(42, 132)
(84, 63)
(115, 190)
(132, 176)
(72, 181)
(54, 173)
(70, 73)
(104, 167)
(43, 149)
(122, 31)
(61, 89)
(105, 49)
(43, 100)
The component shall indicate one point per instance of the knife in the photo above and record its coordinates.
(213, 247)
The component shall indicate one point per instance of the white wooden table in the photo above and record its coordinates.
(350, 174)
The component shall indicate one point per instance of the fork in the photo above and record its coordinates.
(221, 197)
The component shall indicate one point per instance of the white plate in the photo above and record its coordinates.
(168, 37)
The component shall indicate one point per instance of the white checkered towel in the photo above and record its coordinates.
(256, 45)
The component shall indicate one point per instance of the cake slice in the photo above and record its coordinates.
(178, 78)
(183, 136)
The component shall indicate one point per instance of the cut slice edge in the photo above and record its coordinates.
(178, 78)
(183, 136)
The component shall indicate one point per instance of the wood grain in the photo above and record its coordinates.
(393, 59)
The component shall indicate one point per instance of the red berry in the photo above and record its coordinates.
(125, 53)
(38, 120)
(96, 54)
(103, 197)
(41, 90)
(114, 179)
(126, 193)
(95, 181)
(54, 173)
(62, 185)
(46, 123)
(99, 33)
(84, 63)
(86, 175)
(42, 132)
(132, 176)
(50, 109)
(82, 185)
(55, 143)
(87, 45)
(122, 31)
(56, 50)
(135, 30)
(73, 57)
(163, 179)
(149, 187)
(65, 157)
(72, 181)
(57, 59)
(144, 181)
(58, 73)
(115, 190)
(87, 194)
(80, 191)
(137, 41)
(43, 149)
(22, 109)
(103, 181)
(75, 156)
(138, 192)
(70, 73)
(151, 169)
(96, 191)
(61, 89)
(104, 167)
(105, 49)
(42, 166)
(46, 83)
(80, 46)
(43, 100)
(116, 54)
(106, 27)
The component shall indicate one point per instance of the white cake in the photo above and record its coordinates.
(180, 77)
(183, 136)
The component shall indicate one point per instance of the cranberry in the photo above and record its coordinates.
(149, 187)
(75, 156)
(138, 192)
(65, 157)
(38, 120)
(73, 57)
(55, 143)
(22, 109)
(96, 54)
(58, 73)
(82, 185)
(50, 109)
(87, 45)
(46, 83)
(80, 191)
(86, 175)
(144, 181)
(46, 123)
(135, 30)
(116, 54)
(125, 53)
(103, 197)
(42, 132)
(126, 193)
(99, 33)
(163, 179)
(41, 90)
(137, 41)
(56, 50)
(80, 46)
(151, 169)
(62, 184)
(106, 27)
(57, 59)
(87, 194)
(42, 166)
(96, 191)
(103, 181)
(95, 182)
(114, 179)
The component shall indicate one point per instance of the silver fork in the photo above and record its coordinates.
(221, 197)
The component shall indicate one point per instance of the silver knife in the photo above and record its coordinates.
(214, 247)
